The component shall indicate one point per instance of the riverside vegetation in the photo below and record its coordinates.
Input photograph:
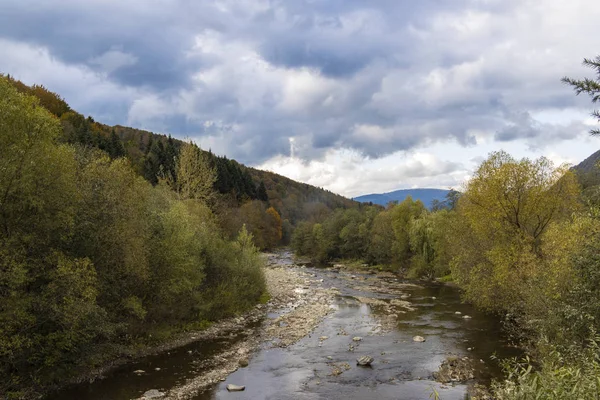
(521, 240)
(95, 261)
(112, 239)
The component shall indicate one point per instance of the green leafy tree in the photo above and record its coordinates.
(504, 213)
(195, 176)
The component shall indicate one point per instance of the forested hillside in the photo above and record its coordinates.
(268, 204)
(112, 238)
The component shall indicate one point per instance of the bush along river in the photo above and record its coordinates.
(326, 333)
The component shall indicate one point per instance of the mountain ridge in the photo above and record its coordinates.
(426, 195)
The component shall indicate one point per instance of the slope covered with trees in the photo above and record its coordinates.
(241, 195)
(94, 259)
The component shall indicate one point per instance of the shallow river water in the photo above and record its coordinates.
(402, 368)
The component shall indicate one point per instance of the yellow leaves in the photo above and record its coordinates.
(505, 214)
(518, 196)
(275, 220)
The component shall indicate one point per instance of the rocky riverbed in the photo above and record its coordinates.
(326, 333)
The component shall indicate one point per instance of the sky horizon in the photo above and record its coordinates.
(356, 97)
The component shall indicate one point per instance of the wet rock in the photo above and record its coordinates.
(467, 317)
(243, 362)
(235, 388)
(455, 369)
(153, 394)
(434, 298)
(418, 339)
(157, 369)
(139, 371)
(356, 339)
(457, 312)
(339, 369)
(364, 361)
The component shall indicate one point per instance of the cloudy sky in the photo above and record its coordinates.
(354, 96)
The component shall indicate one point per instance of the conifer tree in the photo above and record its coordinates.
(262, 192)
(589, 86)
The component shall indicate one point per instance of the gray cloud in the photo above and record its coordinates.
(246, 76)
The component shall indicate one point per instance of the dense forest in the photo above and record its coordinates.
(522, 240)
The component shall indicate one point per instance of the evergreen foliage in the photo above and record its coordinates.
(591, 87)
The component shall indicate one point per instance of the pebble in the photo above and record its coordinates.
(153, 394)
(235, 388)
(364, 361)
(357, 339)
(457, 312)
(466, 317)
(418, 339)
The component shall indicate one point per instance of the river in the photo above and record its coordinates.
(383, 311)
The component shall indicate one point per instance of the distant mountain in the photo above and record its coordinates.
(587, 171)
(425, 195)
(589, 164)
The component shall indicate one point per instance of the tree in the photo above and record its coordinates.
(402, 216)
(116, 149)
(195, 177)
(504, 213)
(274, 231)
(262, 192)
(588, 86)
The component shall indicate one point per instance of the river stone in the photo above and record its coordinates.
(323, 338)
(357, 338)
(467, 317)
(235, 388)
(364, 361)
(418, 339)
(457, 312)
(153, 394)
(243, 362)
(139, 371)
